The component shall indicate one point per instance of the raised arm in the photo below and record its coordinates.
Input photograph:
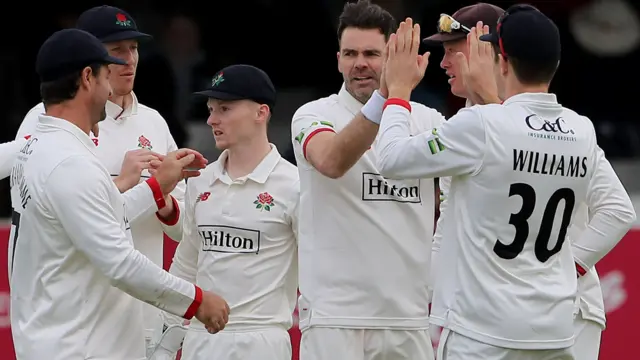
(611, 215)
(455, 148)
(334, 153)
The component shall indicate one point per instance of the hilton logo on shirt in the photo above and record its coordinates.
(377, 188)
(229, 239)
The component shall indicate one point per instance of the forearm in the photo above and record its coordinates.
(138, 276)
(143, 200)
(604, 231)
(348, 146)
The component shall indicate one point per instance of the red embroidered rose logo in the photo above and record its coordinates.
(144, 143)
(121, 19)
(264, 202)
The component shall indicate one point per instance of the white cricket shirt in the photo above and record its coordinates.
(8, 153)
(364, 240)
(133, 128)
(240, 241)
(73, 260)
(519, 171)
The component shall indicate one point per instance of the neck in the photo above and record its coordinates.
(73, 113)
(244, 158)
(514, 87)
(123, 101)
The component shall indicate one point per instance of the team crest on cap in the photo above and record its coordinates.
(144, 143)
(121, 19)
(264, 202)
(217, 80)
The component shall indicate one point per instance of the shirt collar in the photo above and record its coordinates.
(532, 97)
(351, 103)
(115, 112)
(46, 122)
(260, 174)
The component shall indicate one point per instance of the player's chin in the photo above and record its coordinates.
(458, 90)
(222, 144)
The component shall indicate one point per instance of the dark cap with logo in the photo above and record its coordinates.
(469, 17)
(70, 50)
(241, 82)
(109, 23)
(526, 33)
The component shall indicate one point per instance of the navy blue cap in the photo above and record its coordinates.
(109, 23)
(524, 32)
(241, 82)
(70, 50)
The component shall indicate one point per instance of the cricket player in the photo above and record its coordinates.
(75, 273)
(240, 235)
(130, 137)
(364, 240)
(452, 36)
(509, 290)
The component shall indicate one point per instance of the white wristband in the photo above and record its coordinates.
(372, 109)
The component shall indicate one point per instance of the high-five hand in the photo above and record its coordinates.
(478, 70)
(404, 68)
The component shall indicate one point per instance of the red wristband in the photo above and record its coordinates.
(397, 101)
(157, 193)
(580, 270)
(193, 308)
(175, 215)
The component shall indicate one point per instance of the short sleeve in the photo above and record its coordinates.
(305, 125)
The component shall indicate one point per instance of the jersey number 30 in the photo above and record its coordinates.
(520, 222)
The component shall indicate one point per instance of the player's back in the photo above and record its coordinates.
(62, 306)
(512, 281)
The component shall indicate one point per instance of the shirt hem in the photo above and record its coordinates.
(366, 323)
(504, 343)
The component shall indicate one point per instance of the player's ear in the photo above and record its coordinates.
(263, 113)
(86, 75)
(504, 65)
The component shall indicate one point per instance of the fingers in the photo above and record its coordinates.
(408, 35)
(472, 41)
(486, 46)
(462, 63)
(392, 45)
(400, 37)
(415, 46)
(423, 62)
(186, 160)
(155, 164)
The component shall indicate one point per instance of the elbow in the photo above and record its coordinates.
(387, 168)
(331, 168)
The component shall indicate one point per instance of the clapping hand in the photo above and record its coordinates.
(404, 67)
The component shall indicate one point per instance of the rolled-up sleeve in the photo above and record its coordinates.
(80, 192)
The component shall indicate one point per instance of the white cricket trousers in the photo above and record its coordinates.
(454, 346)
(588, 335)
(322, 343)
(271, 343)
